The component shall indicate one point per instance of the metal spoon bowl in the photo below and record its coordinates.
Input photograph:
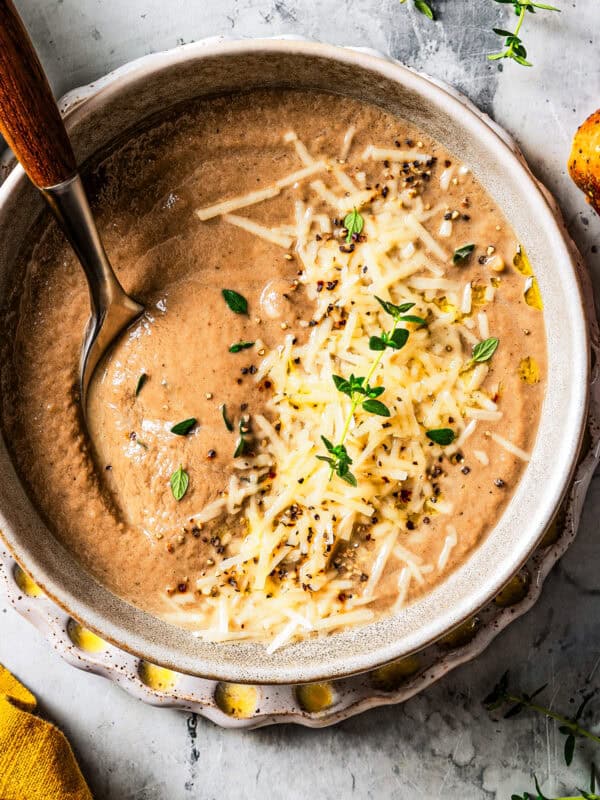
(112, 310)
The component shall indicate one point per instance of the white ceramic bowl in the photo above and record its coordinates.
(147, 87)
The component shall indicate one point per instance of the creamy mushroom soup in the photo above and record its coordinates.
(334, 389)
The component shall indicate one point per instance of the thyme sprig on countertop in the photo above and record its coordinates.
(513, 44)
(514, 48)
(570, 727)
(360, 391)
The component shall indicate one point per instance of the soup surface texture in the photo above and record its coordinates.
(333, 391)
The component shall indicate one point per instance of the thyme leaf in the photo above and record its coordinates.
(239, 346)
(236, 302)
(423, 7)
(441, 436)
(392, 309)
(414, 318)
(484, 350)
(179, 481)
(376, 407)
(240, 447)
(226, 420)
(462, 253)
(140, 383)
(377, 343)
(354, 223)
(184, 427)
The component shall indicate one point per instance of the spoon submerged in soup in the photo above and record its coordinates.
(31, 124)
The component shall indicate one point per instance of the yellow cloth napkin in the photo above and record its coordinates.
(36, 761)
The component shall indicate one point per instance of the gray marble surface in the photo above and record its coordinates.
(441, 744)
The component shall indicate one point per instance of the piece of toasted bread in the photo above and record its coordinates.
(584, 161)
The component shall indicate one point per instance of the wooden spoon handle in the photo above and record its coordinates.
(29, 118)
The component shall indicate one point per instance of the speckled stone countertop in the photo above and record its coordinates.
(441, 744)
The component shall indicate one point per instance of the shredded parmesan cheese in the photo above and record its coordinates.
(484, 325)
(445, 179)
(267, 234)
(482, 457)
(392, 154)
(280, 582)
(347, 142)
(449, 544)
(510, 447)
(227, 206)
(235, 203)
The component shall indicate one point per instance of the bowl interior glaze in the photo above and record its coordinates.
(133, 94)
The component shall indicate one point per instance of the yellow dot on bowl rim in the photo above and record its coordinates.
(392, 676)
(315, 697)
(158, 678)
(514, 591)
(84, 639)
(237, 699)
(25, 583)
(552, 534)
(463, 634)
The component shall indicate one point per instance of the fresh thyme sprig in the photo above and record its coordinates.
(355, 387)
(360, 391)
(339, 461)
(513, 44)
(569, 727)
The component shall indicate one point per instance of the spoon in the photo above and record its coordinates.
(31, 124)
